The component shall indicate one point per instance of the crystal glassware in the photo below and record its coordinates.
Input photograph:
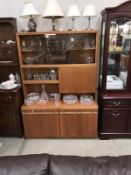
(70, 99)
(44, 95)
(86, 99)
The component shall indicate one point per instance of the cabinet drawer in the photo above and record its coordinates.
(116, 103)
(114, 121)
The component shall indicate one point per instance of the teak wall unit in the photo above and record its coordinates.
(73, 55)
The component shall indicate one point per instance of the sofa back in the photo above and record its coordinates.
(75, 165)
(45, 164)
(24, 165)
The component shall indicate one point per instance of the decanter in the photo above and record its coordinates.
(44, 95)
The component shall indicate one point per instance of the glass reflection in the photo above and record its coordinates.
(118, 53)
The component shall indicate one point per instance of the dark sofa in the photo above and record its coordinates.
(45, 164)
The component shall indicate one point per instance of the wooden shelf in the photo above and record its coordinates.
(34, 66)
(62, 106)
(57, 32)
(33, 50)
(43, 50)
(81, 49)
(41, 81)
(8, 64)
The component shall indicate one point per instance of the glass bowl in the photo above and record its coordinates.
(33, 96)
(86, 99)
(70, 99)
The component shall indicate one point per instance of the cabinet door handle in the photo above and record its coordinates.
(10, 97)
(116, 103)
(115, 114)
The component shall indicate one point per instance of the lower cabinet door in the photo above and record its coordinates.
(9, 125)
(41, 125)
(78, 125)
(114, 121)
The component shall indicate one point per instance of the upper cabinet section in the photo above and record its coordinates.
(7, 29)
(57, 59)
(8, 51)
(115, 63)
(58, 48)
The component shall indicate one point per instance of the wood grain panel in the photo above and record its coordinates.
(78, 125)
(77, 79)
(41, 125)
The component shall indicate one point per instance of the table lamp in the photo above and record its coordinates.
(30, 12)
(89, 12)
(52, 10)
(73, 13)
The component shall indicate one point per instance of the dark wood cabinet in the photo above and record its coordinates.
(8, 48)
(10, 100)
(115, 73)
(10, 112)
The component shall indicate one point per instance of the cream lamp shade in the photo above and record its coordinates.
(89, 12)
(52, 10)
(73, 11)
(30, 11)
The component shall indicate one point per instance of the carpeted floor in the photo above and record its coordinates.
(81, 147)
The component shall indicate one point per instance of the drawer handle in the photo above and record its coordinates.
(115, 114)
(116, 103)
(10, 97)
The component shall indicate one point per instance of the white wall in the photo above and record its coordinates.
(13, 8)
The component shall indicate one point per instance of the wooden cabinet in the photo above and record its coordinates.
(73, 57)
(10, 112)
(115, 72)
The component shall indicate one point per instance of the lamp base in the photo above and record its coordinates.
(53, 24)
(32, 25)
(89, 29)
(89, 24)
